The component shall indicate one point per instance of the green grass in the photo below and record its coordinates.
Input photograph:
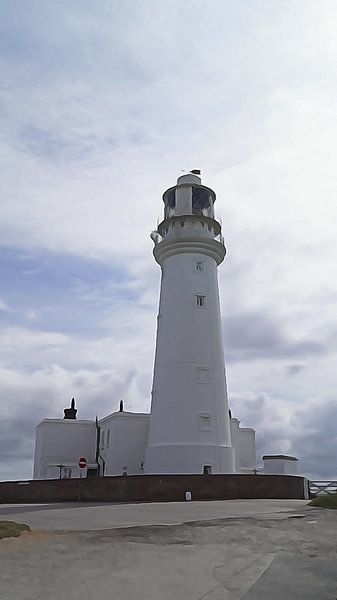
(329, 501)
(12, 529)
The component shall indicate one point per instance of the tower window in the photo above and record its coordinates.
(201, 200)
(205, 422)
(202, 375)
(108, 438)
(199, 265)
(201, 301)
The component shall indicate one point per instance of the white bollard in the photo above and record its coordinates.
(188, 496)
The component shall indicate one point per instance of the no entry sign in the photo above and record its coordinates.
(82, 463)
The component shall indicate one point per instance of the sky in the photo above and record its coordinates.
(102, 105)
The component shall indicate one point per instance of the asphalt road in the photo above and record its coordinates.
(252, 550)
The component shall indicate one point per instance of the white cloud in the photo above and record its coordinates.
(100, 114)
(4, 306)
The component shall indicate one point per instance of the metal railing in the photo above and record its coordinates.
(324, 487)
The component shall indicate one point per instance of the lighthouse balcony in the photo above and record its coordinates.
(189, 226)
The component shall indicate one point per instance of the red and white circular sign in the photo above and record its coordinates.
(82, 463)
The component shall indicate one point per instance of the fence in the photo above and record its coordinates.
(322, 488)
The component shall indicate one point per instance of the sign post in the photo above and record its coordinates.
(82, 463)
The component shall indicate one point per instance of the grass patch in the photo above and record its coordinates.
(12, 529)
(329, 501)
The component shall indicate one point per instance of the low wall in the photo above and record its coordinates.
(154, 488)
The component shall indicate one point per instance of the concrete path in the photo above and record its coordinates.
(251, 550)
(80, 516)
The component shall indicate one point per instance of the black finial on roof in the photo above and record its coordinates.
(70, 413)
(121, 406)
(196, 171)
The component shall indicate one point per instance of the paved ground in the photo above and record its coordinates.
(79, 516)
(252, 550)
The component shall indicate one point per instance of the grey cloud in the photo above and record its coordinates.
(17, 446)
(252, 335)
(87, 98)
(256, 404)
(294, 369)
(309, 433)
(316, 442)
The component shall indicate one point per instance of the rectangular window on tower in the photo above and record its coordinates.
(205, 422)
(200, 301)
(199, 265)
(202, 375)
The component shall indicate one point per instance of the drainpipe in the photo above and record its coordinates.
(98, 453)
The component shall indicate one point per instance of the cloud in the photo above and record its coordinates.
(295, 369)
(305, 432)
(102, 105)
(253, 336)
(317, 439)
(4, 306)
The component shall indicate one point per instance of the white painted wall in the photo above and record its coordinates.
(63, 442)
(189, 424)
(277, 465)
(126, 443)
(243, 441)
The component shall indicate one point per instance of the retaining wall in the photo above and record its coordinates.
(154, 488)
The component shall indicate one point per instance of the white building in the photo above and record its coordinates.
(123, 442)
(59, 445)
(189, 429)
(280, 464)
(115, 445)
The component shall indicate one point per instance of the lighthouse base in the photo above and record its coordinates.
(189, 459)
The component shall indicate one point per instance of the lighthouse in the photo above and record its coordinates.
(189, 430)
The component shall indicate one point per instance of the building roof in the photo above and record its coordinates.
(278, 457)
(119, 414)
(68, 422)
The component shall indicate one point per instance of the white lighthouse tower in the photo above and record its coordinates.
(189, 424)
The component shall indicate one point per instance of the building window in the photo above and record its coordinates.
(103, 440)
(108, 438)
(202, 375)
(199, 265)
(201, 301)
(207, 470)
